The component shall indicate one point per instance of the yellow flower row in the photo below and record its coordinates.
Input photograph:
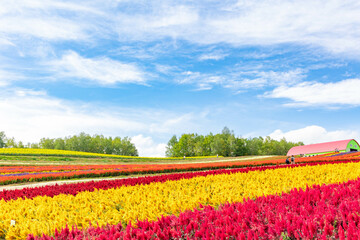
(55, 152)
(124, 204)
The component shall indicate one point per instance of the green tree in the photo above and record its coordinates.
(207, 150)
(172, 148)
(20, 144)
(218, 145)
(117, 146)
(187, 145)
(73, 143)
(34, 145)
(226, 144)
(59, 144)
(254, 145)
(2, 140)
(10, 142)
(240, 147)
(84, 142)
(47, 143)
(124, 147)
(199, 145)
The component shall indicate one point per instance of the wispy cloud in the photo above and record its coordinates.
(7, 77)
(166, 69)
(200, 80)
(260, 79)
(243, 80)
(101, 70)
(161, 20)
(307, 94)
(50, 20)
(212, 56)
(328, 25)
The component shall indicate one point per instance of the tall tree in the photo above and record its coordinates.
(2, 140)
(10, 142)
(59, 144)
(186, 145)
(240, 147)
(172, 148)
(47, 143)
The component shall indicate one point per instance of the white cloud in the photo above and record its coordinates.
(161, 20)
(5, 42)
(166, 69)
(51, 20)
(213, 56)
(29, 115)
(103, 71)
(202, 81)
(344, 92)
(245, 83)
(322, 23)
(282, 78)
(3, 83)
(147, 147)
(42, 28)
(240, 80)
(6, 77)
(326, 24)
(260, 79)
(314, 134)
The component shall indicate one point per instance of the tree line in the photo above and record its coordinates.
(82, 142)
(225, 144)
(189, 145)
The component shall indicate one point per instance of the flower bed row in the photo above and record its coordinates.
(75, 188)
(320, 212)
(271, 161)
(149, 202)
(13, 174)
(334, 156)
(38, 173)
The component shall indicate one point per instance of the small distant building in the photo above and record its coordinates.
(349, 145)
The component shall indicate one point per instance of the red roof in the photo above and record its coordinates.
(319, 147)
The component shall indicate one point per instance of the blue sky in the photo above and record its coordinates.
(151, 69)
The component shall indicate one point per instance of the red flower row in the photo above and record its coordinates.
(320, 212)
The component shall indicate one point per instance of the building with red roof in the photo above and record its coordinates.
(323, 148)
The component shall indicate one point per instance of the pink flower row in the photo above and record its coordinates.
(320, 212)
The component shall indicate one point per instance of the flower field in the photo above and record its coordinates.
(318, 198)
(305, 201)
